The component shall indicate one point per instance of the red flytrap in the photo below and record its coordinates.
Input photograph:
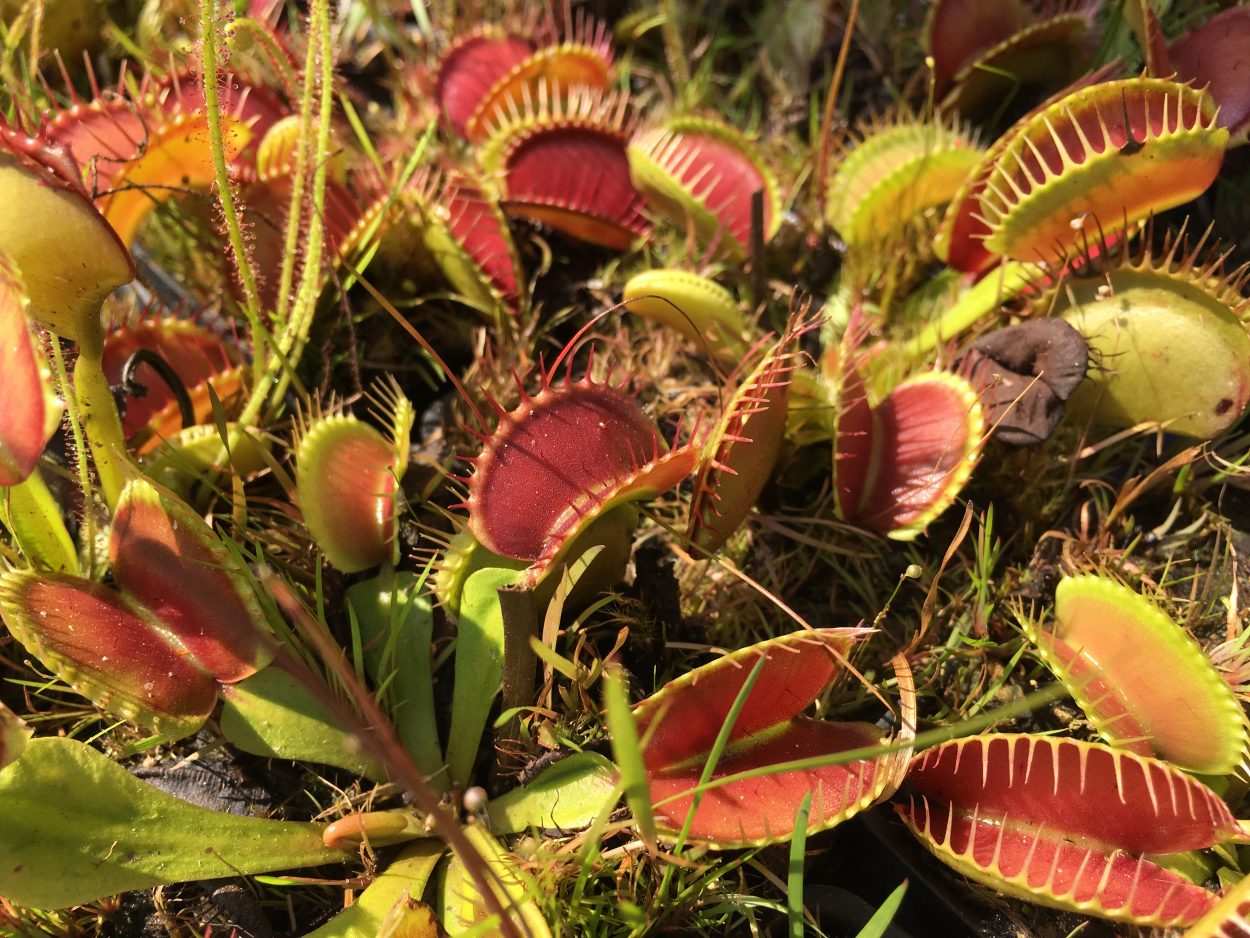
(1066, 823)
(743, 447)
(562, 161)
(468, 235)
(471, 67)
(1213, 56)
(348, 475)
(560, 460)
(899, 465)
(681, 722)
(488, 74)
(705, 171)
(984, 51)
(185, 618)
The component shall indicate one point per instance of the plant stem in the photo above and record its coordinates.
(210, 39)
(80, 452)
(100, 421)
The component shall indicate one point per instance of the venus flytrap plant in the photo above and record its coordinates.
(1104, 644)
(1067, 823)
(703, 171)
(697, 307)
(349, 476)
(984, 55)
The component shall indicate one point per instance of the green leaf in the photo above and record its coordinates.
(567, 795)
(395, 622)
(14, 734)
(273, 714)
(479, 667)
(464, 908)
(390, 903)
(33, 517)
(75, 827)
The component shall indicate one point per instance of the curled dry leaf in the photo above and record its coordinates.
(1026, 373)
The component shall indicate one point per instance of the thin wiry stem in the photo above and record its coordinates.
(80, 452)
(209, 40)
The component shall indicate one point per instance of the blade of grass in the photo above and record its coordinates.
(627, 753)
(875, 927)
(794, 875)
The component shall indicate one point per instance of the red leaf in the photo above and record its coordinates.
(957, 32)
(561, 458)
(1067, 823)
(925, 436)
(1048, 866)
(681, 722)
(763, 808)
(1084, 789)
(576, 179)
(1217, 56)
(480, 231)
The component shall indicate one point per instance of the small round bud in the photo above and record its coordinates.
(475, 800)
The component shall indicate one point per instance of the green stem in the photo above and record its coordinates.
(101, 423)
(273, 370)
(80, 452)
(310, 283)
(295, 212)
(212, 109)
(995, 288)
